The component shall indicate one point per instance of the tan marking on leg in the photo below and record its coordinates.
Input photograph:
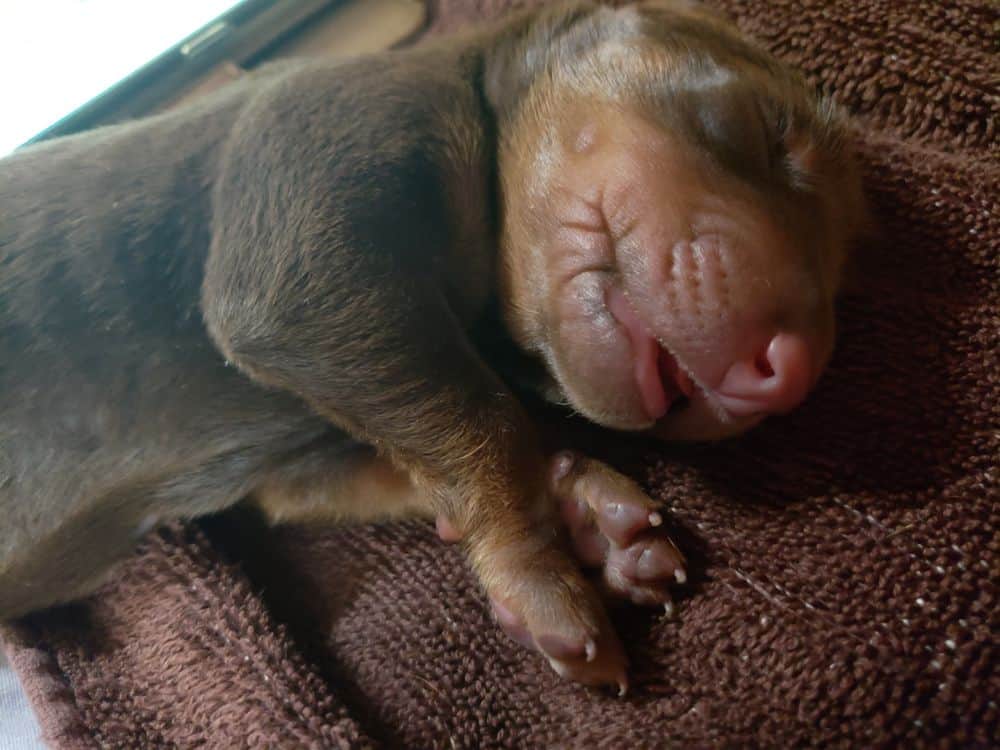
(359, 486)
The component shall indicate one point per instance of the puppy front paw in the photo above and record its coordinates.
(588, 654)
(537, 591)
(614, 526)
(541, 599)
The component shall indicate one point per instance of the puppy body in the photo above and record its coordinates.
(118, 407)
(270, 293)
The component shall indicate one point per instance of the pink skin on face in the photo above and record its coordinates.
(660, 381)
(675, 299)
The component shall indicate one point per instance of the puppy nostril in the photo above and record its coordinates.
(774, 381)
(763, 365)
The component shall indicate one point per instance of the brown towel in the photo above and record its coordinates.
(845, 559)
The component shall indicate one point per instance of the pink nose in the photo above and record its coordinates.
(774, 382)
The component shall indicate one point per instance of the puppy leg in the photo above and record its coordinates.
(473, 453)
(614, 527)
(353, 485)
(329, 288)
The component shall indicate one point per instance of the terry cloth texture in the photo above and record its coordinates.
(844, 559)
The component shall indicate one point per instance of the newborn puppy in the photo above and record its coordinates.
(276, 293)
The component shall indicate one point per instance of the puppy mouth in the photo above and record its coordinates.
(661, 382)
(677, 384)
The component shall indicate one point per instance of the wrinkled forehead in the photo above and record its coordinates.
(746, 124)
(735, 116)
(688, 191)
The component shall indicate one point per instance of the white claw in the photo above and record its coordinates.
(655, 519)
(668, 609)
(622, 688)
(591, 650)
(560, 669)
(680, 576)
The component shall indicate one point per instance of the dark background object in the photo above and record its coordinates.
(244, 35)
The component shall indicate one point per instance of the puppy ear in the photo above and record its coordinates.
(835, 164)
(801, 156)
(813, 142)
(521, 57)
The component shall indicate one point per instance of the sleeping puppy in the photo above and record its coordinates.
(275, 293)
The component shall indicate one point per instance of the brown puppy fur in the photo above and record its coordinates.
(274, 292)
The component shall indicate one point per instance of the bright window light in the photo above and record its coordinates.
(55, 55)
